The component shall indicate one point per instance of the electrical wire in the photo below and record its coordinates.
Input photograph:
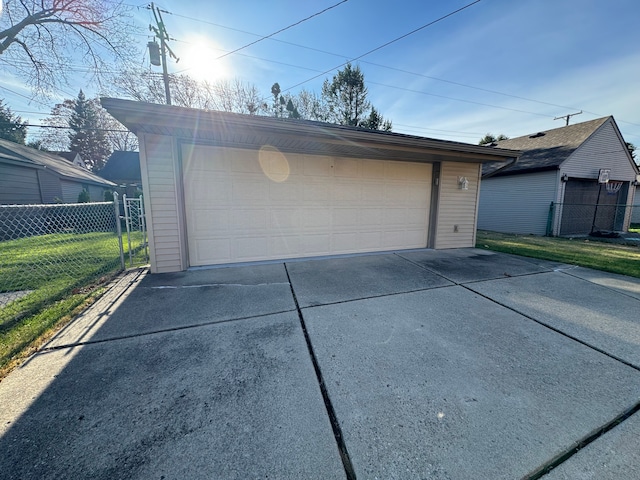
(283, 29)
(380, 47)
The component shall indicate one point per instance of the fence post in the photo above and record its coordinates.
(116, 208)
(143, 223)
(550, 220)
(127, 220)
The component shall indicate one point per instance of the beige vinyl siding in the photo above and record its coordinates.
(457, 208)
(517, 203)
(604, 149)
(18, 185)
(160, 180)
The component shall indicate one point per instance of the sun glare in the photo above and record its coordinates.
(199, 60)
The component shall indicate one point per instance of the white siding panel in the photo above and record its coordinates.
(517, 203)
(603, 149)
(457, 208)
(159, 168)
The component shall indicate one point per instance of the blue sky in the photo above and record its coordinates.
(472, 73)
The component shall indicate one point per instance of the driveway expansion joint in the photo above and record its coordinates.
(164, 330)
(556, 330)
(576, 447)
(333, 419)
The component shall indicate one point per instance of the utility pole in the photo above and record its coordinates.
(567, 117)
(161, 33)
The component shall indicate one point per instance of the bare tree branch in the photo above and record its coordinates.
(50, 34)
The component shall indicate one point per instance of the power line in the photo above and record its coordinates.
(387, 44)
(283, 29)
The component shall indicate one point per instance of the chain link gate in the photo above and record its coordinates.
(135, 226)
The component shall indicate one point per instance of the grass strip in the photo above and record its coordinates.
(25, 338)
(608, 257)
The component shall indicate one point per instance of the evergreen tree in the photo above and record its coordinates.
(87, 138)
(11, 126)
(490, 138)
(346, 98)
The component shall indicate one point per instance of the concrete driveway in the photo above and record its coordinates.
(458, 364)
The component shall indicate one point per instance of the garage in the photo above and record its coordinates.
(247, 205)
(223, 188)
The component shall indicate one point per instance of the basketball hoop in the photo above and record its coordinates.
(613, 187)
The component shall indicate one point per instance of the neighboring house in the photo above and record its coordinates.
(226, 188)
(73, 157)
(123, 168)
(30, 176)
(561, 166)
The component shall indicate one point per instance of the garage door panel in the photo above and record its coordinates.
(344, 242)
(373, 169)
(346, 168)
(251, 248)
(313, 218)
(346, 218)
(243, 191)
(239, 210)
(285, 246)
(283, 192)
(370, 240)
(248, 221)
(346, 192)
(285, 220)
(210, 251)
(316, 244)
(204, 220)
(317, 166)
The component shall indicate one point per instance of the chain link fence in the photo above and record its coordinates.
(50, 251)
(587, 219)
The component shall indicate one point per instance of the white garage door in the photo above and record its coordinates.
(247, 205)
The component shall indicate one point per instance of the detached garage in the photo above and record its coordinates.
(224, 188)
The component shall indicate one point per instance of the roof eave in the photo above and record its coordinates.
(140, 117)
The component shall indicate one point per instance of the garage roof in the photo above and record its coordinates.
(295, 136)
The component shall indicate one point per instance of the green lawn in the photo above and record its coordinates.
(608, 257)
(61, 271)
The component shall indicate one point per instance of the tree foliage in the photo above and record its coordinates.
(490, 138)
(40, 39)
(12, 127)
(87, 136)
(346, 101)
(56, 137)
(632, 150)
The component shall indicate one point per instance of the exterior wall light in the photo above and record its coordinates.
(463, 183)
(565, 177)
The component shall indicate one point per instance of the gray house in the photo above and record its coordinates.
(554, 188)
(226, 188)
(30, 176)
(123, 168)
